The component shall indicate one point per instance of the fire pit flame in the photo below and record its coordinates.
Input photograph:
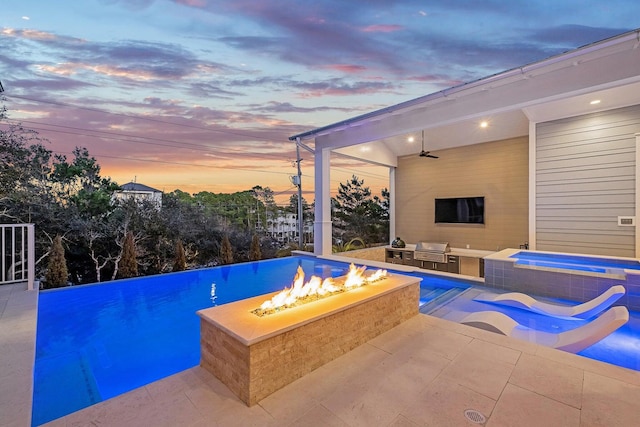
(317, 288)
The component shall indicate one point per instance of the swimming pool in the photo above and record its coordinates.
(105, 339)
(102, 340)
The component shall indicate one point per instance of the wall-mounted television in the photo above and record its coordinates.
(460, 210)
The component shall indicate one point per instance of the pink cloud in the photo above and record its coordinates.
(382, 28)
(346, 68)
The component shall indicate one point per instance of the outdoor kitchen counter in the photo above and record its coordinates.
(468, 262)
(469, 253)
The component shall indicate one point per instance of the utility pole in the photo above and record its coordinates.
(298, 182)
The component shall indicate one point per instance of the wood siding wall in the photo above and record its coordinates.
(585, 179)
(496, 170)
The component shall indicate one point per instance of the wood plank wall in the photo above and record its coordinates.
(585, 179)
(498, 171)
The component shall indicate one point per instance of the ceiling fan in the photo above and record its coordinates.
(426, 153)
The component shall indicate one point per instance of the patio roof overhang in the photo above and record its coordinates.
(557, 87)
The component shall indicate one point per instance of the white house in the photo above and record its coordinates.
(284, 227)
(552, 146)
(140, 192)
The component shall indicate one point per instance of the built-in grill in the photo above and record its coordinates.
(432, 251)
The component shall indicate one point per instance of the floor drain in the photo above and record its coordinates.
(475, 416)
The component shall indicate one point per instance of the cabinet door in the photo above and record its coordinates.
(407, 258)
(440, 266)
(469, 266)
(394, 257)
(454, 265)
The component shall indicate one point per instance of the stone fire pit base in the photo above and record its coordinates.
(255, 356)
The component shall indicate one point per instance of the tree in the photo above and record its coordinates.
(57, 274)
(180, 260)
(351, 209)
(265, 206)
(357, 214)
(128, 266)
(254, 253)
(226, 253)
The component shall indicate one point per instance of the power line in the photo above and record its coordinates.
(177, 163)
(372, 175)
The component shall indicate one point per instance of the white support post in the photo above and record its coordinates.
(322, 224)
(392, 204)
(31, 256)
(532, 186)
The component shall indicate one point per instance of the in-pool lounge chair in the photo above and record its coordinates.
(585, 310)
(572, 341)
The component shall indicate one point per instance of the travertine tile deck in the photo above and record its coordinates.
(17, 351)
(425, 372)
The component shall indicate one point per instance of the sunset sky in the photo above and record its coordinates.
(203, 95)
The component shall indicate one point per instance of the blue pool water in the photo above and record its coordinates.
(621, 348)
(573, 262)
(99, 341)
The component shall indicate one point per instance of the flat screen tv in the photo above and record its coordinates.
(460, 210)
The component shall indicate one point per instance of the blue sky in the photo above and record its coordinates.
(202, 95)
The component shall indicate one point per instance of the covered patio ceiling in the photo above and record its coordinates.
(559, 87)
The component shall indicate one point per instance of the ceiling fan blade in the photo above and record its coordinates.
(426, 153)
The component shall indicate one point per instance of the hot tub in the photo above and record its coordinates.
(584, 263)
(575, 277)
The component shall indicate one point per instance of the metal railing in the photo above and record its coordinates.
(17, 264)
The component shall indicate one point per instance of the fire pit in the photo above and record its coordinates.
(256, 355)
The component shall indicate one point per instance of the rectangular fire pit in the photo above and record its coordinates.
(255, 356)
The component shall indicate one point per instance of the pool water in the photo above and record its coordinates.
(621, 348)
(573, 262)
(97, 341)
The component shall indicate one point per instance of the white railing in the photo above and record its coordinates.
(17, 264)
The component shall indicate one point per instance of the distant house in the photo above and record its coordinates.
(140, 192)
(284, 227)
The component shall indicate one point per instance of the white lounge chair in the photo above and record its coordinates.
(572, 341)
(585, 310)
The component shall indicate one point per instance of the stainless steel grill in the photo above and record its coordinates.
(432, 251)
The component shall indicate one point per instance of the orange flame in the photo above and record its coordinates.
(317, 287)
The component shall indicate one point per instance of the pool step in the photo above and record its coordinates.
(444, 295)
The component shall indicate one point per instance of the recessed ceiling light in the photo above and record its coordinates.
(365, 149)
(595, 101)
(410, 139)
(484, 124)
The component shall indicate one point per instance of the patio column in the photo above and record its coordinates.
(636, 212)
(322, 224)
(392, 204)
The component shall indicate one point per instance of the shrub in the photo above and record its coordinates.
(57, 274)
(180, 260)
(128, 262)
(226, 253)
(254, 253)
